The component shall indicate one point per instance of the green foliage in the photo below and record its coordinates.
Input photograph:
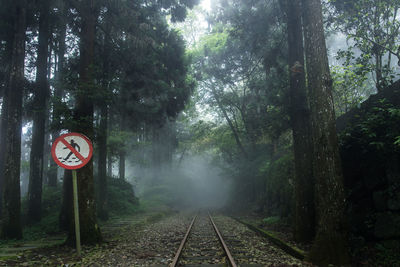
(387, 254)
(374, 30)
(213, 43)
(46, 227)
(241, 72)
(271, 220)
(51, 203)
(349, 88)
(278, 175)
(117, 141)
(165, 195)
(397, 140)
(121, 198)
(156, 196)
(377, 132)
(121, 201)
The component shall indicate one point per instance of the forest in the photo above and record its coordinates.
(279, 120)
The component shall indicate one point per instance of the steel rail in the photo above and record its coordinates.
(179, 252)
(221, 240)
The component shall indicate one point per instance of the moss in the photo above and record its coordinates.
(8, 257)
(295, 252)
(271, 220)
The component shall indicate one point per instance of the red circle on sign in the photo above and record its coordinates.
(83, 159)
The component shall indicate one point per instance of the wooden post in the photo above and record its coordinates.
(76, 212)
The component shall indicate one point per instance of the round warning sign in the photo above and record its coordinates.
(72, 151)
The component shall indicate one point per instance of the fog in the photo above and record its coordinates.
(194, 182)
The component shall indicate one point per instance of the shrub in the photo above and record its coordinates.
(121, 198)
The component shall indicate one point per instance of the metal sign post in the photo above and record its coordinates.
(73, 151)
(76, 212)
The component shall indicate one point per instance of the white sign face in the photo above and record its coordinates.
(72, 150)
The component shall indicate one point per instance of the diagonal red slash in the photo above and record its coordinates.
(73, 150)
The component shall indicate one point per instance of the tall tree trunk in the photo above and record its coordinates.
(122, 158)
(330, 245)
(39, 118)
(4, 113)
(58, 89)
(47, 142)
(102, 163)
(83, 114)
(122, 150)
(11, 223)
(155, 153)
(109, 154)
(170, 131)
(103, 127)
(47, 145)
(3, 132)
(50, 43)
(380, 82)
(109, 165)
(304, 217)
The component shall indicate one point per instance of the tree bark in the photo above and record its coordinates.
(102, 163)
(3, 133)
(39, 118)
(304, 215)
(58, 90)
(83, 114)
(11, 223)
(103, 126)
(330, 245)
(122, 149)
(122, 156)
(109, 165)
(4, 112)
(155, 152)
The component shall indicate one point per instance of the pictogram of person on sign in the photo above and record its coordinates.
(75, 146)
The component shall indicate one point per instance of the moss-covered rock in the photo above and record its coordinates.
(370, 150)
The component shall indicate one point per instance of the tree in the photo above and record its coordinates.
(118, 40)
(7, 37)
(103, 125)
(374, 29)
(241, 74)
(83, 116)
(330, 245)
(349, 88)
(61, 26)
(39, 117)
(11, 223)
(304, 213)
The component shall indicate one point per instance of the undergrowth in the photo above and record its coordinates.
(121, 198)
(159, 198)
(51, 205)
(271, 220)
(121, 202)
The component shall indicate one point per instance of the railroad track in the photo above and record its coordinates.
(203, 245)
